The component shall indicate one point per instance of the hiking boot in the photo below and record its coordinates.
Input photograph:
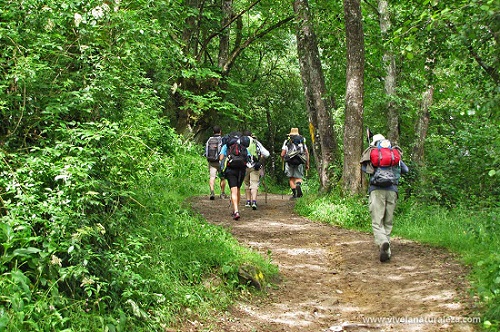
(293, 197)
(254, 205)
(235, 215)
(248, 204)
(223, 196)
(299, 189)
(212, 196)
(384, 252)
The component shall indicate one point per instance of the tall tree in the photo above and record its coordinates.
(353, 126)
(317, 102)
(389, 61)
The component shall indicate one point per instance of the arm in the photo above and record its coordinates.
(264, 153)
(307, 156)
(283, 150)
(404, 168)
(223, 152)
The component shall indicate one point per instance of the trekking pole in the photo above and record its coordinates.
(263, 181)
(283, 166)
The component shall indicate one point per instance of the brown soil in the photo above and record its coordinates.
(332, 279)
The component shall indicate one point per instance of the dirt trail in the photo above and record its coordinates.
(333, 280)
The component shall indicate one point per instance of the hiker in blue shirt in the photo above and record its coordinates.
(383, 190)
(234, 157)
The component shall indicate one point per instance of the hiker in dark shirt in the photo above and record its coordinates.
(214, 164)
(382, 194)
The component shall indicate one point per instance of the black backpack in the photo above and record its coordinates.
(296, 151)
(214, 145)
(237, 154)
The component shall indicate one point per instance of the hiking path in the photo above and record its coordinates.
(332, 279)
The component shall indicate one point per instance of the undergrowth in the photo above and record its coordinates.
(96, 235)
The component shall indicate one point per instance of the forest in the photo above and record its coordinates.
(105, 107)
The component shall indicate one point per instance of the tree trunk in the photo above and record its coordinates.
(390, 76)
(317, 102)
(191, 34)
(227, 12)
(353, 126)
(422, 127)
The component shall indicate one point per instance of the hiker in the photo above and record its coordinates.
(384, 164)
(212, 152)
(295, 157)
(234, 157)
(258, 153)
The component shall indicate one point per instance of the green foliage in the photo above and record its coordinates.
(95, 233)
(94, 230)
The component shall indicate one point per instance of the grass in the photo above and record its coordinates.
(473, 233)
(192, 264)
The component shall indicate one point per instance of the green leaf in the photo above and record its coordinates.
(26, 251)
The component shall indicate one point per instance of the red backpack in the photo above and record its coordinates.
(385, 156)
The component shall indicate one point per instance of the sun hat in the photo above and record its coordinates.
(294, 131)
(376, 138)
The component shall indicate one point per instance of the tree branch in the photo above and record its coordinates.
(215, 34)
(237, 51)
(491, 71)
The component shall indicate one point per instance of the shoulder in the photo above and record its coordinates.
(365, 156)
(396, 147)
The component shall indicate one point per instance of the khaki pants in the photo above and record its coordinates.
(382, 205)
(252, 179)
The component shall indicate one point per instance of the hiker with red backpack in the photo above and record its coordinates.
(234, 157)
(383, 163)
(295, 157)
(212, 151)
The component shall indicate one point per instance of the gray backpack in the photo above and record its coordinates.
(214, 145)
(386, 176)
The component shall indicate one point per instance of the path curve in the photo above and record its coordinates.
(333, 280)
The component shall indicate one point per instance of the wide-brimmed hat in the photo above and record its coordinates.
(376, 138)
(294, 131)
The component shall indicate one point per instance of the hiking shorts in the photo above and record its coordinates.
(214, 168)
(294, 171)
(252, 178)
(235, 176)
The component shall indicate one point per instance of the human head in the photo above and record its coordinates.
(216, 129)
(294, 131)
(377, 138)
